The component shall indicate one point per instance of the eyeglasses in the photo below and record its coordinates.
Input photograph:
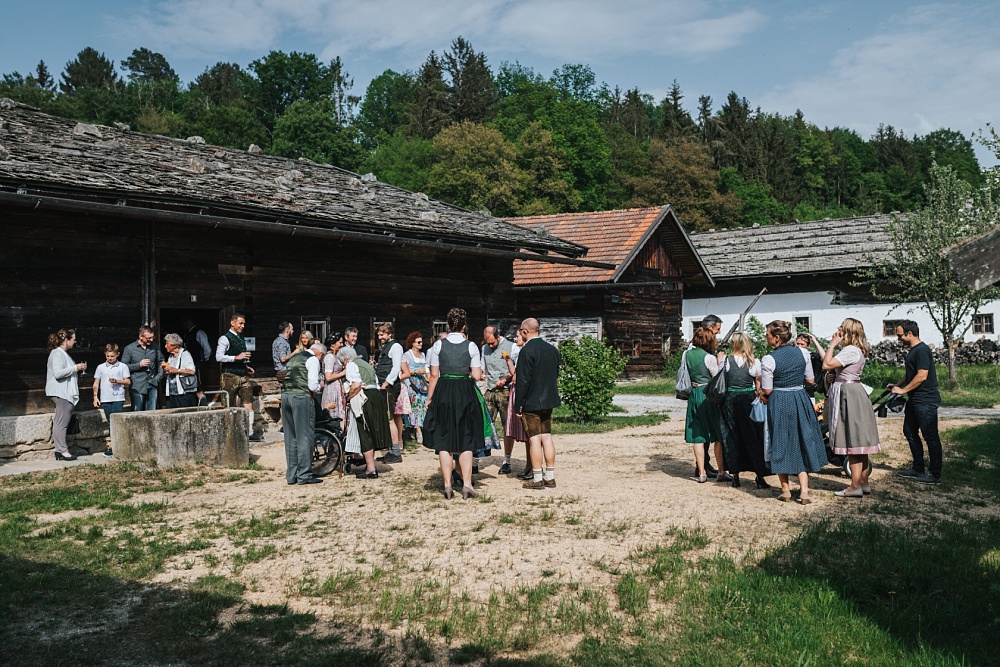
(417, 341)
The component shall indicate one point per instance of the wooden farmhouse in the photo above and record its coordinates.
(105, 229)
(808, 269)
(635, 304)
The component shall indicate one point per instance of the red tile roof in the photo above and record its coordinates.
(610, 236)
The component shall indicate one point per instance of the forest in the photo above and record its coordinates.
(512, 140)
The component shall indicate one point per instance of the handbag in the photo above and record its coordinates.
(683, 385)
(73, 427)
(718, 387)
(758, 411)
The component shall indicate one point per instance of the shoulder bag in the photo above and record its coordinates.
(683, 386)
(718, 386)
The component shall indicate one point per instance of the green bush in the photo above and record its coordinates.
(587, 376)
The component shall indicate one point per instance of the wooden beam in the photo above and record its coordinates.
(977, 261)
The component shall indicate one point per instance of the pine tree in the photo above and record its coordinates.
(43, 79)
(675, 122)
(429, 113)
(90, 69)
(473, 90)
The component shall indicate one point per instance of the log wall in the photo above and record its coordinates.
(86, 273)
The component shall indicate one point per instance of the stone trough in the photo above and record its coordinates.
(182, 436)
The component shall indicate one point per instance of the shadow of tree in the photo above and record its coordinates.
(68, 616)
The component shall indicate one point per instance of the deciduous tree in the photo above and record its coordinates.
(912, 268)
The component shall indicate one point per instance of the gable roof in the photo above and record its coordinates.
(55, 162)
(820, 246)
(614, 238)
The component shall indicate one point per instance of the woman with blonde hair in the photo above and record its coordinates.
(853, 431)
(794, 440)
(742, 437)
(702, 423)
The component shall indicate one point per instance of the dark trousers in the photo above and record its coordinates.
(922, 419)
(188, 400)
(298, 415)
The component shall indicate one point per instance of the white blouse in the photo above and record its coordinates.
(767, 369)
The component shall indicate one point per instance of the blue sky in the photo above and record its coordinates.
(917, 66)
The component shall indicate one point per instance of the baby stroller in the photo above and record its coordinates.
(328, 446)
(883, 404)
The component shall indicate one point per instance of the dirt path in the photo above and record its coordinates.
(617, 492)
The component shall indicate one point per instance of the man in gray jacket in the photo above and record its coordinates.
(145, 364)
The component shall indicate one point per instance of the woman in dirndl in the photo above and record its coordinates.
(333, 374)
(515, 427)
(414, 371)
(702, 423)
(853, 430)
(742, 437)
(371, 427)
(456, 421)
(793, 433)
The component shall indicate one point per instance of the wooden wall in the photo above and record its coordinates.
(85, 272)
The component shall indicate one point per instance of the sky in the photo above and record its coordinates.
(847, 63)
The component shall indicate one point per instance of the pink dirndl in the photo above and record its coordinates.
(515, 429)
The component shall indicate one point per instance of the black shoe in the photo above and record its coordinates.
(256, 437)
(504, 469)
(762, 483)
(926, 478)
(475, 469)
(391, 458)
(367, 475)
(312, 480)
(911, 472)
(736, 481)
(108, 453)
(710, 471)
(65, 457)
(526, 475)
(456, 479)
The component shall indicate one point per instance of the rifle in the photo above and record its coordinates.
(738, 324)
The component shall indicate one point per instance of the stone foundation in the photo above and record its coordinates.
(29, 437)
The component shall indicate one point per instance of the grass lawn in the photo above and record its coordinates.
(77, 558)
(978, 386)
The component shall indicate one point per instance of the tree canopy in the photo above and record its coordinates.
(565, 142)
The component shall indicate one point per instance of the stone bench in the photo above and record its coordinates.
(182, 436)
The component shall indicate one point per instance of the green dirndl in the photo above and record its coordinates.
(703, 418)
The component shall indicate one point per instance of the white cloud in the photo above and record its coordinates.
(934, 66)
(574, 31)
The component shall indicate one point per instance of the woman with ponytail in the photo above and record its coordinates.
(63, 387)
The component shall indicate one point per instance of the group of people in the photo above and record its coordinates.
(138, 371)
(435, 392)
(768, 425)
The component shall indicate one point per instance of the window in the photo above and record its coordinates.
(439, 326)
(636, 349)
(889, 328)
(803, 323)
(982, 323)
(665, 342)
(316, 326)
(694, 327)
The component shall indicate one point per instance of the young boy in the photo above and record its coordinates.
(110, 380)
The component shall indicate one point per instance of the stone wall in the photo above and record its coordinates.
(29, 437)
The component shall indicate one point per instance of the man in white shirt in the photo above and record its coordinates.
(231, 351)
(387, 369)
(298, 411)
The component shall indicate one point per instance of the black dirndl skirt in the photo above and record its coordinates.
(374, 424)
(454, 421)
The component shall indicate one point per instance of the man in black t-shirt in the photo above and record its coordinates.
(923, 399)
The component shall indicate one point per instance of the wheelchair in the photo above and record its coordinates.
(328, 445)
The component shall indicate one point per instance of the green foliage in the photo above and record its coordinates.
(403, 162)
(89, 69)
(757, 332)
(148, 66)
(759, 207)
(587, 376)
(311, 130)
(913, 269)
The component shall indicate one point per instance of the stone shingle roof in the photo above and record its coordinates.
(821, 246)
(56, 157)
(612, 237)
